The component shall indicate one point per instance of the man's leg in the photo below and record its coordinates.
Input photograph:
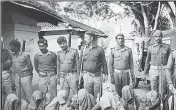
(42, 84)
(125, 79)
(73, 82)
(154, 79)
(97, 83)
(88, 84)
(118, 83)
(18, 88)
(53, 87)
(27, 87)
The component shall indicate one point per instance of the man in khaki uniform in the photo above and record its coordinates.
(67, 65)
(171, 78)
(157, 55)
(92, 60)
(171, 73)
(121, 64)
(22, 68)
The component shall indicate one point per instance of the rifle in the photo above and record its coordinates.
(161, 83)
(101, 82)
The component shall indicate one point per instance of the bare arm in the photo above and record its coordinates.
(147, 63)
(29, 63)
(36, 64)
(104, 64)
(170, 65)
(111, 62)
(76, 61)
(131, 63)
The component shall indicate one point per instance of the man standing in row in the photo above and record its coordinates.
(92, 59)
(22, 68)
(121, 64)
(45, 65)
(157, 55)
(67, 66)
(171, 78)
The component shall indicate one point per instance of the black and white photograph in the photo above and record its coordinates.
(88, 55)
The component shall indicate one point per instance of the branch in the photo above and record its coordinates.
(157, 15)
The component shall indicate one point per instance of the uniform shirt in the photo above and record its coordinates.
(67, 61)
(6, 59)
(157, 55)
(171, 66)
(45, 62)
(93, 59)
(121, 59)
(21, 63)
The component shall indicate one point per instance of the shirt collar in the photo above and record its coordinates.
(158, 44)
(119, 48)
(92, 46)
(67, 50)
(19, 53)
(48, 53)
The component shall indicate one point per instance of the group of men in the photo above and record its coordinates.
(69, 69)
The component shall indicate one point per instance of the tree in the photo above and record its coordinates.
(149, 15)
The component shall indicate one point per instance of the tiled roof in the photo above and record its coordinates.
(44, 9)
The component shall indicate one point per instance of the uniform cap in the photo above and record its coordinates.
(157, 33)
(42, 41)
(61, 39)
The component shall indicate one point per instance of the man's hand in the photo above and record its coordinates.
(131, 84)
(8, 61)
(112, 79)
(132, 81)
(171, 88)
(105, 77)
(58, 79)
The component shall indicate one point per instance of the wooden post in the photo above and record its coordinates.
(69, 39)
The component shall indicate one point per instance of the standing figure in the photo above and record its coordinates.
(22, 68)
(45, 65)
(156, 61)
(6, 64)
(92, 59)
(171, 78)
(121, 64)
(67, 66)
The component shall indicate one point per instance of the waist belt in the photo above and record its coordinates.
(62, 74)
(157, 67)
(44, 74)
(24, 74)
(92, 74)
(121, 71)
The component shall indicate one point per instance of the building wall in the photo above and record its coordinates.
(17, 26)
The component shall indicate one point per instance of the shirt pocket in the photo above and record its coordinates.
(95, 57)
(164, 53)
(69, 60)
(117, 58)
(21, 61)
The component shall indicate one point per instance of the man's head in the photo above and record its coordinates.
(120, 39)
(15, 45)
(43, 44)
(158, 35)
(62, 42)
(89, 37)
